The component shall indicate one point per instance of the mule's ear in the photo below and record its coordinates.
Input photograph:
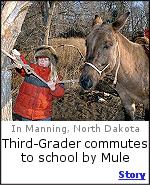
(97, 20)
(118, 24)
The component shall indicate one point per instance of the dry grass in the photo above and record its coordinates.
(77, 105)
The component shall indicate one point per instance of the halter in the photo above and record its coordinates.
(97, 68)
(100, 72)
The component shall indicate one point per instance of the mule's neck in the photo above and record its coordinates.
(133, 73)
(132, 55)
(126, 46)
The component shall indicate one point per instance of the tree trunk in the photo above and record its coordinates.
(12, 17)
(49, 9)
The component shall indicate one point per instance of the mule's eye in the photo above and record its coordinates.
(106, 47)
(90, 57)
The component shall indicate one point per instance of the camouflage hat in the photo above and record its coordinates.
(48, 51)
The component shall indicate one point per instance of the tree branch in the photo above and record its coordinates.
(73, 47)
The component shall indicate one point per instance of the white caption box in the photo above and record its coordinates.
(75, 152)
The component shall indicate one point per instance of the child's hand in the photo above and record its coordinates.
(51, 84)
(15, 53)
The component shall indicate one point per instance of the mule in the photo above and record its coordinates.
(109, 52)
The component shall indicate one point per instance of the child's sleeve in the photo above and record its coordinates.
(22, 71)
(60, 89)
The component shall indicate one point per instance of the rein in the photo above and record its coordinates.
(100, 72)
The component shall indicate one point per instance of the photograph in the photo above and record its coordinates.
(75, 60)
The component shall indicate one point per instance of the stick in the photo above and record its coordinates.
(16, 60)
(68, 81)
(29, 68)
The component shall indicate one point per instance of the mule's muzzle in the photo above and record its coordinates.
(86, 82)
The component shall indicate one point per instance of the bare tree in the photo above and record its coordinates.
(74, 18)
(12, 17)
(49, 6)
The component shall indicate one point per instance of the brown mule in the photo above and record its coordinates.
(108, 51)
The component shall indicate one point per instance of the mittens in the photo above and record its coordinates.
(15, 53)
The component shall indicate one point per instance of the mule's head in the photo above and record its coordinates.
(102, 51)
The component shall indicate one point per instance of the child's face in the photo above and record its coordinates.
(45, 62)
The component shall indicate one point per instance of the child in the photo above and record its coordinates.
(34, 102)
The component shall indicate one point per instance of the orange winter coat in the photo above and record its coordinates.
(34, 100)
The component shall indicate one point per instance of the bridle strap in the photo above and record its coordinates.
(100, 72)
(116, 73)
